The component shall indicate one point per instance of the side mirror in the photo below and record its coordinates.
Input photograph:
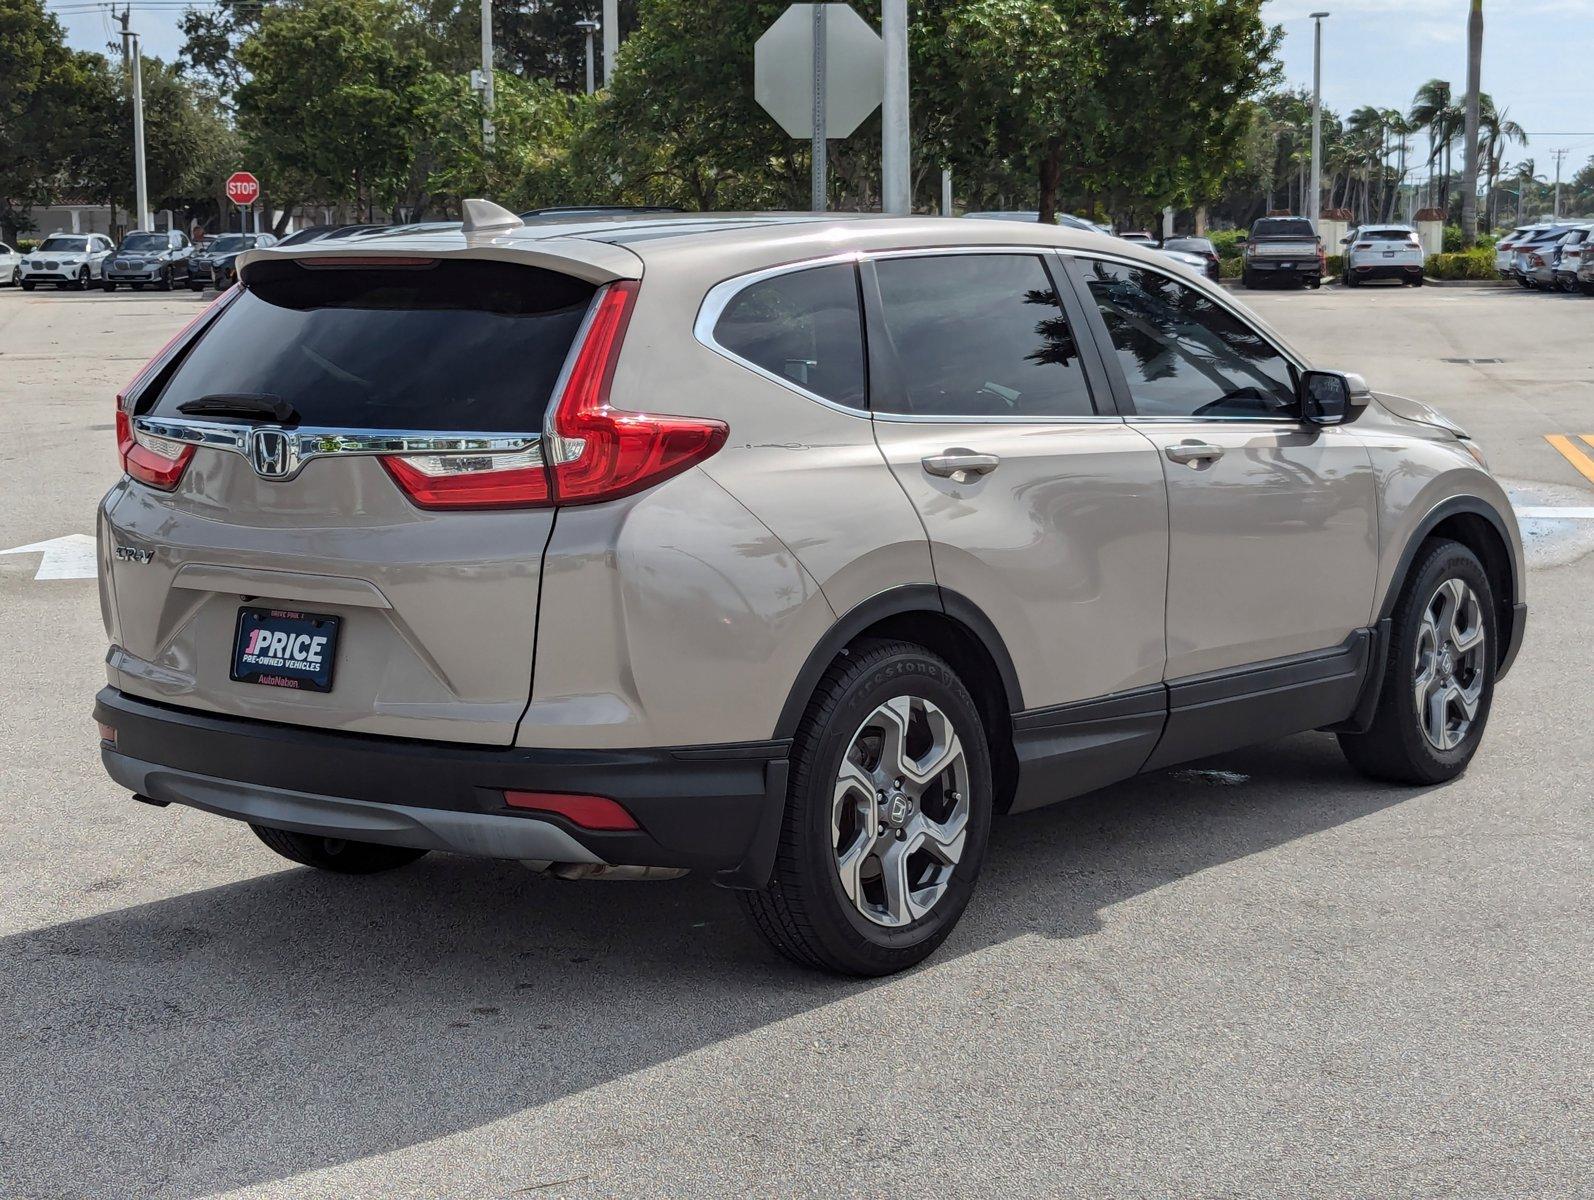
(1332, 397)
(1347, 239)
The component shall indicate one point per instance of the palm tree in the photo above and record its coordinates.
(1401, 128)
(1432, 109)
(1498, 131)
(1469, 171)
(1365, 132)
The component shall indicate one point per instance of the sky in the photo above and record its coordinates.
(1538, 56)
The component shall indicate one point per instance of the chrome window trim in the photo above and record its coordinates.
(916, 419)
(307, 443)
(719, 296)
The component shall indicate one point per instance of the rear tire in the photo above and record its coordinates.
(1314, 282)
(1439, 673)
(336, 854)
(1248, 279)
(1417, 281)
(890, 790)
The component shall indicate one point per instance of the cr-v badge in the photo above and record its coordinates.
(134, 554)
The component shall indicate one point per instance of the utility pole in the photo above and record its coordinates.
(1559, 156)
(611, 39)
(946, 191)
(132, 57)
(897, 188)
(1314, 205)
(487, 74)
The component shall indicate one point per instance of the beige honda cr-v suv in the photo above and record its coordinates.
(787, 548)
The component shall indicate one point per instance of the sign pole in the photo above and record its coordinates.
(820, 199)
(896, 192)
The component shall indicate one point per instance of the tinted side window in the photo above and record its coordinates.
(805, 326)
(980, 335)
(1183, 354)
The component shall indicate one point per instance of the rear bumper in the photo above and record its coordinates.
(1387, 270)
(714, 808)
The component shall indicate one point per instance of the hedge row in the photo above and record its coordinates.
(1477, 263)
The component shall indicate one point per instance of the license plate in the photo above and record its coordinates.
(1389, 253)
(278, 647)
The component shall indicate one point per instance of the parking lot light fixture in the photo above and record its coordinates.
(590, 28)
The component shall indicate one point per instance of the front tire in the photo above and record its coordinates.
(336, 854)
(1439, 674)
(82, 282)
(888, 814)
(108, 286)
(165, 284)
(28, 285)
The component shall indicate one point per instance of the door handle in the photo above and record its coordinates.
(1191, 453)
(960, 465)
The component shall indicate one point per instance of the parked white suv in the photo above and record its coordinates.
(67, 260)
(1383, 252)
(788, 548)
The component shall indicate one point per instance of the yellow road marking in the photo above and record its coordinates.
(1569, 450)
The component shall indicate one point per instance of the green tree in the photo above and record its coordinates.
(332, 97)
(40, 82)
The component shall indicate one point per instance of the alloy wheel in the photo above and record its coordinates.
(900, 811)
(1448, 674)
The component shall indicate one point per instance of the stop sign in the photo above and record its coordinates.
(243, 189)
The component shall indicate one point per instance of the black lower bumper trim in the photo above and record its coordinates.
(701, 807)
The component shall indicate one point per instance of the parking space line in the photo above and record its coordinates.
(1570, 451)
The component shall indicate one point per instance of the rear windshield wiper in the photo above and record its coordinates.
(251, 406)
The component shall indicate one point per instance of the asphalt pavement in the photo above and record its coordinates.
(1260, 976)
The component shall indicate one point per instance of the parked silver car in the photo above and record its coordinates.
(1568, 257)
(1534, 255)
(788, 548)
(66, 260)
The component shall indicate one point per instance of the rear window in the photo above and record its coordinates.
(1385, 235)
(1283, 227)
(472, 347)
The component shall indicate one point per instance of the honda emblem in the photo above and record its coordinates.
(271, 452)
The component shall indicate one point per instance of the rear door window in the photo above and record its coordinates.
(804, 327)
(470, 347)
(979, 335)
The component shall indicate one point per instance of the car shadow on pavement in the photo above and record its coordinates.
(252, 1032)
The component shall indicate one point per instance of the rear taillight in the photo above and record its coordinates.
(158, 462)
(472, 480)
(600, 452)
(591, 451)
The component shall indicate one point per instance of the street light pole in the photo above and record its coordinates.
(590, 28)
(611, 39)
(1314, 208)
(896, 191)
(133, 57)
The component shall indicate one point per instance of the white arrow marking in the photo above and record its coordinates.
(69, 557)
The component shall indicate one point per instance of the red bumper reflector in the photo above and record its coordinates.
(589, 812)
(107, 733)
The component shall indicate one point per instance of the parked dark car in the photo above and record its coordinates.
(1200, 246)
(158, 257)
(215, 262)
(317, 233)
